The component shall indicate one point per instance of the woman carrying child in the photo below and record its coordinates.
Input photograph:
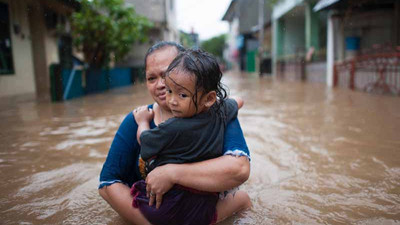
(201, 112)
(120, 169)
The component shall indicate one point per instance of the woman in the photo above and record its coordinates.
(120, 170)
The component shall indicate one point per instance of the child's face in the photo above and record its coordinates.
(180, 91)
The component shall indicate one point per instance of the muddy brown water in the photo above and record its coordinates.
(318, 155)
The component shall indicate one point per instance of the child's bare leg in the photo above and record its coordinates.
(231, 204)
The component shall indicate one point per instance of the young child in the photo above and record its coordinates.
(201, 112)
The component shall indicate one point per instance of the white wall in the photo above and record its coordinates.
(152, 9)
(171, 20)
(22, 81)
(229, 52)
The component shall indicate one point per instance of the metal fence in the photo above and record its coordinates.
(376, 73)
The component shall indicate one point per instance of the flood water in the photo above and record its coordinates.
(318, 155)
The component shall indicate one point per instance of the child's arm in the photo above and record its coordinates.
(143, 116)
(238, 100)
(231, 107)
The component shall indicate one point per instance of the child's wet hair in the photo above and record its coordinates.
(204, 66)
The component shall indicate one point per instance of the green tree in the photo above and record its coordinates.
(106, 28)
(215, 45)
(186, 40)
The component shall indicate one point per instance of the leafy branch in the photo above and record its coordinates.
(106, 28)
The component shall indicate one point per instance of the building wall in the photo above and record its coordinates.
(38, 37)
(294, 37)
(163, 14)
(173, 33)
(231, 52)
(22, 81)
(374, 28)
(34, 48)
(152, 9)
(135, 57)
(267, 42)
(52, 52)
(248, 16)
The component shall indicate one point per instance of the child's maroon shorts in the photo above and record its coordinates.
(180, 206)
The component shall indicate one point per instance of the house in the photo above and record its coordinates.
(30, 43)
(363, 44)
(163, 15)
(242, 40)
(299, 41)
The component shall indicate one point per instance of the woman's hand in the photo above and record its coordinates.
(143, 114)
(159, 181)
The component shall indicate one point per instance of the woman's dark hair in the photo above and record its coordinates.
(205, 68)
(161, 45)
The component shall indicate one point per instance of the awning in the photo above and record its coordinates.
(283, 7)
(230, 12)
(323, 4)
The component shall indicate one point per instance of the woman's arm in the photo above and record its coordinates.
(214, 175)
(118, 172)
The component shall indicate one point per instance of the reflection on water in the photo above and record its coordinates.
(318, 155)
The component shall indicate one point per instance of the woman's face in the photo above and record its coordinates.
(156, 65)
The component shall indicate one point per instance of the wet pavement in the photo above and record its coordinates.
(318, 155)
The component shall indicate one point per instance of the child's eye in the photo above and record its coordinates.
(183, 95)
(169, 91)
(150, 78)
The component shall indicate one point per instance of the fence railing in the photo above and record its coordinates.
(292, 69)
(376, 73)
(76, 82)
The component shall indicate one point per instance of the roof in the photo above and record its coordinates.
(230, 12)
(247, 13)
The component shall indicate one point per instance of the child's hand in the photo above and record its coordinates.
(143, 115)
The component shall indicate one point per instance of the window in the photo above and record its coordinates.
(6, 59)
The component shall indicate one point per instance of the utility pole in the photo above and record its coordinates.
(261, 32)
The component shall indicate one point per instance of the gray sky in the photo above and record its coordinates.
(203, 15)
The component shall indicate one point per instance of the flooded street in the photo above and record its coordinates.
(318, 155)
